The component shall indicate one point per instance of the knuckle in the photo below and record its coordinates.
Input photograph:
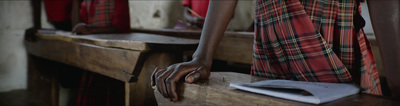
(169, 80)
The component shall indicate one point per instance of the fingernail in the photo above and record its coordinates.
(189, 79)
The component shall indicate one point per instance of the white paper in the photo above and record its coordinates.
(287, 89)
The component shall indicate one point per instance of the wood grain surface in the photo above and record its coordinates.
(111, 62)
(234, 46)
(130, 41)
(118, 56)
(216, 91)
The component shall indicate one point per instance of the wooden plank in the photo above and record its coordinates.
(115, 63)
(234, 44)
(192, 34)
(43, 80)
(215, 91)
(236, 48)
(130, 41)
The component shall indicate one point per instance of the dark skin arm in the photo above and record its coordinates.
(75, 12)
(36, 13)
(218, 17)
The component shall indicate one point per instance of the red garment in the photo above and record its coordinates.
(311, 40)
(198, 6)
(58, 10)
(99, 90)
(104, 13)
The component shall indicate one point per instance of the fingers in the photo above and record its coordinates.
(166, 79)
(170, 83)
(200, 73)
(160, 83)
(154, 75)
(75, 29)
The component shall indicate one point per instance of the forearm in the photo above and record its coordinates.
(36, 5)
(218, 17)
(75, 12)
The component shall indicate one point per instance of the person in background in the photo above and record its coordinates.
(99, 17)
(306, 40)
(195, 11)
(59, 13)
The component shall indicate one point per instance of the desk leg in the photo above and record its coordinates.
(42, 80)
(141, 93)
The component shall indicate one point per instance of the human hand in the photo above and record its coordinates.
(195, 20)
(30, 34)
(82, 29)
(166, 79)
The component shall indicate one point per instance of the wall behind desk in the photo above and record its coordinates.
(14, 19)
(156, 14)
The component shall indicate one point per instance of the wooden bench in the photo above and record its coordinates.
(215, 91)
(130, 58)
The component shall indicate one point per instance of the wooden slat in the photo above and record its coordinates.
(43, 80)
(215, 91)
(192, 34)
(234, 46)
(130, 41)
(115, 63)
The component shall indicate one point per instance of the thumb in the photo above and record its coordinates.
(199, 73)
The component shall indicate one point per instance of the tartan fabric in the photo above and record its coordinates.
(312, 40)
(98, 90)
(102, 14)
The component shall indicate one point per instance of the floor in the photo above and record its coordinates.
(19, 98)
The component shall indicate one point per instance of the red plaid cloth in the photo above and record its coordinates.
(98, 90)
(95, 89)
(106, 12)
(312, 40)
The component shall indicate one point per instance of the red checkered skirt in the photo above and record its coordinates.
(312, 40)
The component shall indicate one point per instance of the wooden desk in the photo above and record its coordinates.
(215, 91)
(130, 58)
(233, 44)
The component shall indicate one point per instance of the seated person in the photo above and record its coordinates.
(290, 42)
(98, 16)
(59, 13)
(195, 10)
(194, 13)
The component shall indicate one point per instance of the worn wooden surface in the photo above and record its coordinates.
(127, 57)
(130, 41)
(119, 56)
(234, 46)
(215, 91)
(111, 62)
